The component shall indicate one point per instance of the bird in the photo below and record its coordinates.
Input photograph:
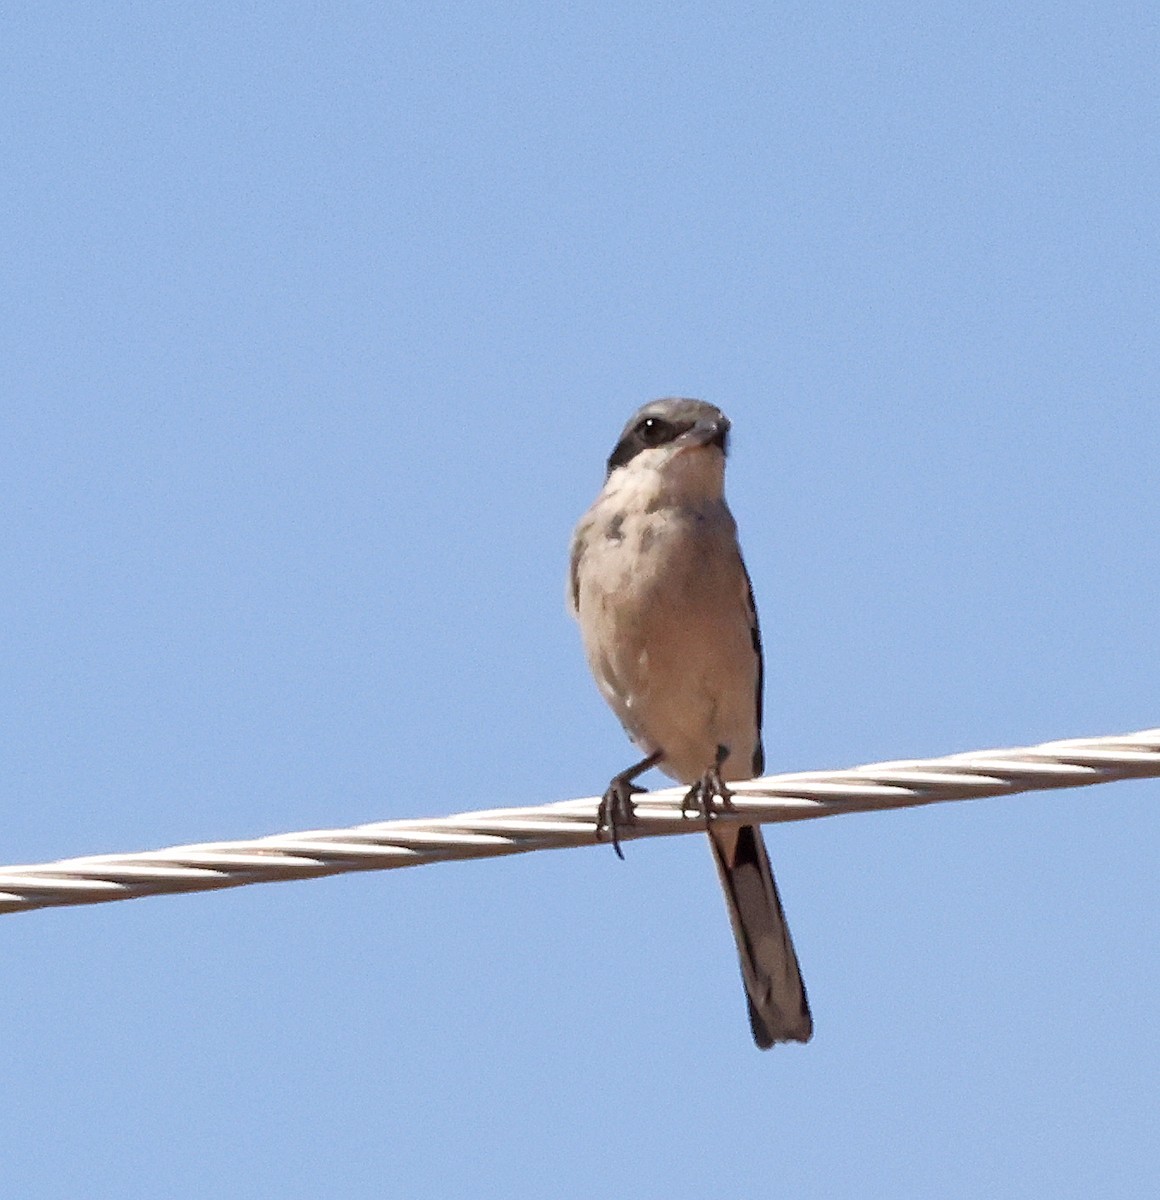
(670, 631)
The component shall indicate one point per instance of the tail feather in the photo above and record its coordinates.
(778, 1008)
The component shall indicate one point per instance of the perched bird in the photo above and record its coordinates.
(670, 631)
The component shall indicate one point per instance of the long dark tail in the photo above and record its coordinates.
(778, 1008)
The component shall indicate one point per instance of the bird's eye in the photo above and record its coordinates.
(655, 432)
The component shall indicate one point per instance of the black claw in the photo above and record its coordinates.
(700, 798)
(691, 800)
(616, 810)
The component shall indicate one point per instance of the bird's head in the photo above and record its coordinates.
(678, 444)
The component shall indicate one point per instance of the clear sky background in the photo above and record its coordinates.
(319, 322)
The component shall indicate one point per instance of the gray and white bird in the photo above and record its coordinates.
(670, 631)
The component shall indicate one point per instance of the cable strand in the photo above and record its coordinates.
(385, 845)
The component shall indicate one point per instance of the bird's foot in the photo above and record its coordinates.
(701, 798)
(616, 810)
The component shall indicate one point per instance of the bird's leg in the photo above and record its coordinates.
(699, 798)
(615, 807)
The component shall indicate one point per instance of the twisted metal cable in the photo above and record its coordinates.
(799, 796)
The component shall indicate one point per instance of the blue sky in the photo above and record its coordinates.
(319, 323)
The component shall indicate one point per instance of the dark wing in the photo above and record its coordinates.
(579, 541)
(755, 634)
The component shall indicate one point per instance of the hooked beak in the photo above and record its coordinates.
(711, 431)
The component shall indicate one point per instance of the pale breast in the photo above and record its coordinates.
(663, 601)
